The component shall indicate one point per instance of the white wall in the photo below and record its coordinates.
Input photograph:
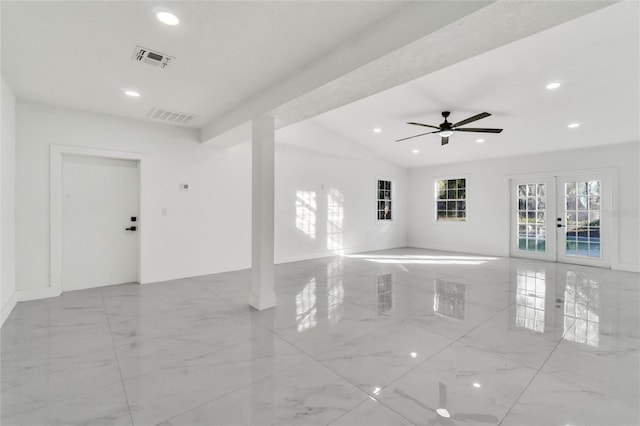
(344, 217)
(207, 229)
(7, 201)
(487, 228)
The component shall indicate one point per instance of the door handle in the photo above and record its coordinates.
(132, 228)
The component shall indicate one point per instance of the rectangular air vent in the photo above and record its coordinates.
(157, 59)
(162, 114)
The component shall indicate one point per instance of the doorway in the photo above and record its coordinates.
(100, 211)
(560, 218)
(77, 169)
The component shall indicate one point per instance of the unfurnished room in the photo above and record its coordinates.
(320, 213)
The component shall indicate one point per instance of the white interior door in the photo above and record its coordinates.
(100, 198)
(560, 218)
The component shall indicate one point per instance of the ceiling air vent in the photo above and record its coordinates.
(157, 59)
(168, 116)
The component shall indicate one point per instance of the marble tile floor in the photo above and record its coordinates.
(394, 337)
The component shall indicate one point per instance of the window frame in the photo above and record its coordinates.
(392, 199)
(436, 199)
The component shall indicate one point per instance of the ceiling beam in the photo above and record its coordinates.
(419, 39)
(411, 22)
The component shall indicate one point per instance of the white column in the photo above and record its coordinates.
(262, 213)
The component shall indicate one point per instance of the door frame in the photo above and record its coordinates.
(608, 210)
(57, 153)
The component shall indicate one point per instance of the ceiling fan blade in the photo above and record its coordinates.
(469, 129)
(424, 125)
(444, 141)
(471, 119)
(421, 134)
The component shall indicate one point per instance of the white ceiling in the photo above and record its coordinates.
(298, 59)
(78, 54)
(595, 57)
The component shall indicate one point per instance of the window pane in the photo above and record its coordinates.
(582, 188)
(522, 191)
(542, 204)
(582, 203)
(461, 183)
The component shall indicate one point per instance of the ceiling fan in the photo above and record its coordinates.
(446, 129)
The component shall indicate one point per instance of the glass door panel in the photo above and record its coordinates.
(532, 234)
(580, 220)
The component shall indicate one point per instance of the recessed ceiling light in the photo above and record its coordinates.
(553, 85)
(415, 151)
(573, 125)
(132, 93)
(167, 18)
(377, 130)
(476, 385)
(414, 354)
(479, 140)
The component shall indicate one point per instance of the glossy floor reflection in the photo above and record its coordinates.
(394, 337)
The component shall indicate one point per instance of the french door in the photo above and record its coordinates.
(560, 218)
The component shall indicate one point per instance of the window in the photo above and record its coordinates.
(384, 200)
(451, 203)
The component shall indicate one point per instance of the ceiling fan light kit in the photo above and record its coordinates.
(446, 129)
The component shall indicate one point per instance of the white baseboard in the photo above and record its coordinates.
(37, 293)
(627, 267)
(8, 308)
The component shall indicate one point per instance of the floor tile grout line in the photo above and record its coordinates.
(536, 373)
(456, 340)
(69, 397)
(115, 351)
(243, 386)
(368, 396)
(358, 387)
